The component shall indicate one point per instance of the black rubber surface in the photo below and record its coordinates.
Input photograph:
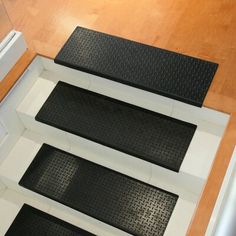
(33, 222)
(153, 69)
(148, 135)
(111, 197)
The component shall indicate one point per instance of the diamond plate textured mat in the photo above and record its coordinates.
(111, 197)
(33, 222)
(149, 68)
(147, 135)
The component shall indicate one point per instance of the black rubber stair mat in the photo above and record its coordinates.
(148, 135)
(111, 197)
(149, 68)
(33, 222)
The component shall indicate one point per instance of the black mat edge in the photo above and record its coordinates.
(44, 145)
(37, 118)
(106, 76)
(27, 208)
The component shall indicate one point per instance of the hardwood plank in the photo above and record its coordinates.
(11, 78)
(5, 24)
(205, 29)
(205, 207)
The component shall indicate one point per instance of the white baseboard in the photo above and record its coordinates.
(222, 220)
(12, 48)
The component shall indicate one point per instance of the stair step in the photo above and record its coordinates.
(195, 166)
(12, 201)
(31, 221)
(116, 199)
(148, 135)
(23, 154)
(10, 204)
(153, 69)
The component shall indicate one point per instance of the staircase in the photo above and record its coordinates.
(89, 154)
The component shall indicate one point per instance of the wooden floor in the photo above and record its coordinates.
(201, 28)
(5, 24)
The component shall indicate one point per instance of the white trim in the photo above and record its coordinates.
(11, 49)
(7, 40)
(222, 220)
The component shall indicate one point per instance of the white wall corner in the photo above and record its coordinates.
(12, 48)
